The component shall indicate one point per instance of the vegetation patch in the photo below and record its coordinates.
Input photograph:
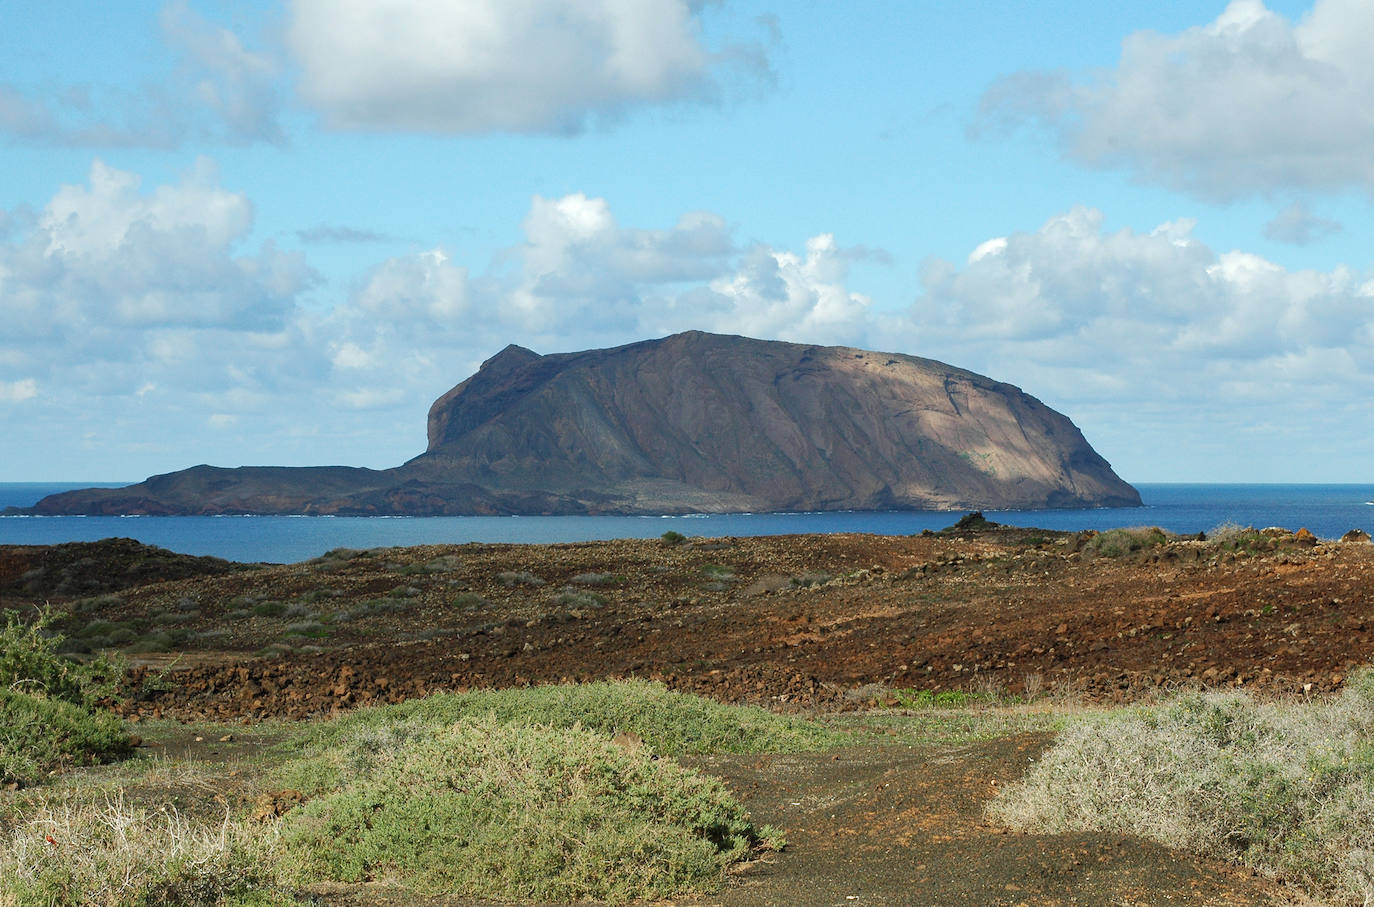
(107, 851)
(579, 598)
(1120, 542)
(50, 706)
(489, 809)
(669, 723)
(1286, 789)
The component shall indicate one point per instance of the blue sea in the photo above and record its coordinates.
(1327, 510)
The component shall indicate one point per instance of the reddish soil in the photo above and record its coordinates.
(795, 622)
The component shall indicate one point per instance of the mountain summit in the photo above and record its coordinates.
(693, 422)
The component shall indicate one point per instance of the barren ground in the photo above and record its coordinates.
(802, 623)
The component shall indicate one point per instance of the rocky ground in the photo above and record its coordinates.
(794, 622)
(803, 623)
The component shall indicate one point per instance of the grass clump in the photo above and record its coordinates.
(107, 851)
(1120, 542)
(579, 598)
(50, 706)
(488, 809)
(1286, 789)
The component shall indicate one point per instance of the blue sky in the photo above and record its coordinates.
(273, 233)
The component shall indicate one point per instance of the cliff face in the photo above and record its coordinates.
(690, 423)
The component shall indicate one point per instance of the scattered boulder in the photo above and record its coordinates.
(1355, 535)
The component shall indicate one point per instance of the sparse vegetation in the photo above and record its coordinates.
(102, 850)
(578, 598)
(1286, 789)
(518, 578)
(1119, 542)
(669, 723)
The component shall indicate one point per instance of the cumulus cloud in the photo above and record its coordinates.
(1249, 103)
(218, 89)
(1297, 225)
(580, 279)
(537, 66)
(1086, 315)
(109, 279)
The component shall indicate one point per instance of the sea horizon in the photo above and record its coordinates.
(1327, 509)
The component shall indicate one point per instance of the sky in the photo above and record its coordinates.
(248, 233)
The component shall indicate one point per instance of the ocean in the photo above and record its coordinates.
(1327, 510)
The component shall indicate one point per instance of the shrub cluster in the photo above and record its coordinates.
(1288, 790)
(50, 706)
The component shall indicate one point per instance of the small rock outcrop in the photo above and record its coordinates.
(694, 422)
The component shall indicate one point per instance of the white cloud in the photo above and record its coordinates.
(112, 290)
(1250, 103)
(217, 89)
(18, 391)
(1108, 326)
(495, 65)
(107, 254)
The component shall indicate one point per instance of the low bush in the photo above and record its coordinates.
(668, 722)
(1119, 542)
(1288, 790)
(50, 712)
(672, 538)
(518, 578)
(486, 809)
(578, 598)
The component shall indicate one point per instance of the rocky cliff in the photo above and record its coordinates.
(691, 423)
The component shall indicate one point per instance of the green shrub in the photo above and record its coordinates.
(1288, 790)
(39, 735)
(518, 578)
(270, 609)
(30, 663)
(470, 601)
(1119, 542)
(673, 538)
(50, 713)
(578, 598)
(492, 810)
(670, 723)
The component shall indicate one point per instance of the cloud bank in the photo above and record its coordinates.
(535, 66)
(1248, 104)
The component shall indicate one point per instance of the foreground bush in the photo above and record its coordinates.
(50, 713)
(487, 809)
(1288, 790)
(669, 723)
